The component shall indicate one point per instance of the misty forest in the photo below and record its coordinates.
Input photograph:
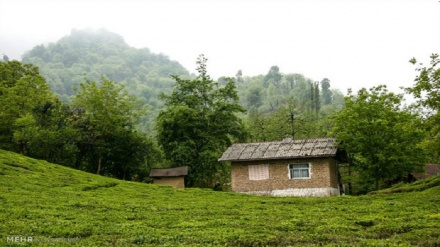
(93, 103)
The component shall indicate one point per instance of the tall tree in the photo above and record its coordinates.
(384, 139)
(273, 97)
(22, 89)
(198, 123)
(106, 116)
(312, 96)
(254, 97)
(326, 93)
(427, 90)
(291, 120)
(53, 138)
(273, 76)
(317, 101)
(5, 58)
(239, 76)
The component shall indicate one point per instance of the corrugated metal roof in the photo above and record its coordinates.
(169, 172)
(285, 149)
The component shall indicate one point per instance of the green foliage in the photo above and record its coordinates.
(55, 138)
(93, 54)
(290, 120)
(267, 93)
(287, 105)
(326, 96)
(106, 119)
(273, 76)
(427, 90)
(108, 104)
(22, 90)
(383, 138)
(419, 185)
(427, 86)
(55, 203)
(98, 134)
(198, 123)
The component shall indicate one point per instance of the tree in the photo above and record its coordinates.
(198, 123)
(239, 76)
(5, 58)
(133, 154)
(273, 76)
(383, 138)
(287, 122)
(313, 97)
(257, 125)
(326, 93)
(254, 97)
(427, 90)
(317, 102)
(290, 120)
(22, 89)
(273, 97)
(53, 138)
(106, 116)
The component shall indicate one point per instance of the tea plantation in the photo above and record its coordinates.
(43, 204)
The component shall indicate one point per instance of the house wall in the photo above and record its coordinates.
(323, 180)
(176, 182)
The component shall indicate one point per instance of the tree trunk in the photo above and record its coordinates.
(350, 186)
(125, 173)
(99, 164)
(350, 164)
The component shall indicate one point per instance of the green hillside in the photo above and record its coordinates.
(57, 206)
(95, 53)
(91, 54)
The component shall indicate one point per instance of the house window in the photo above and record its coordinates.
(258, 172)
(299, 170)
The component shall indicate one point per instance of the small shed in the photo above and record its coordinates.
(174, 177)
(286, 168)
(429, 171)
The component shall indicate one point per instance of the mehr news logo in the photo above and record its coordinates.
(30, 239)
(19, 239)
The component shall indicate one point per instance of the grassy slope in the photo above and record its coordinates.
(55, 203)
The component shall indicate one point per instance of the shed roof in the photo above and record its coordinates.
(430, 170)
(169, 172)
(285, 149)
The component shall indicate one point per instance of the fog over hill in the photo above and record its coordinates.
(90, 54)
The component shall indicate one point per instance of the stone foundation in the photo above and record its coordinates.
(298, 192)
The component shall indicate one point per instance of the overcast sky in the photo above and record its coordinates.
(354, 43)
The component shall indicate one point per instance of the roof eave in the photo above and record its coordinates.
(278, 158)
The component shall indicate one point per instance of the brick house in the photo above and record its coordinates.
(286, 168)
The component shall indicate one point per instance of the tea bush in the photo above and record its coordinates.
(58, 206)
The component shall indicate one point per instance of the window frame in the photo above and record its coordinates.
(290, 168)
